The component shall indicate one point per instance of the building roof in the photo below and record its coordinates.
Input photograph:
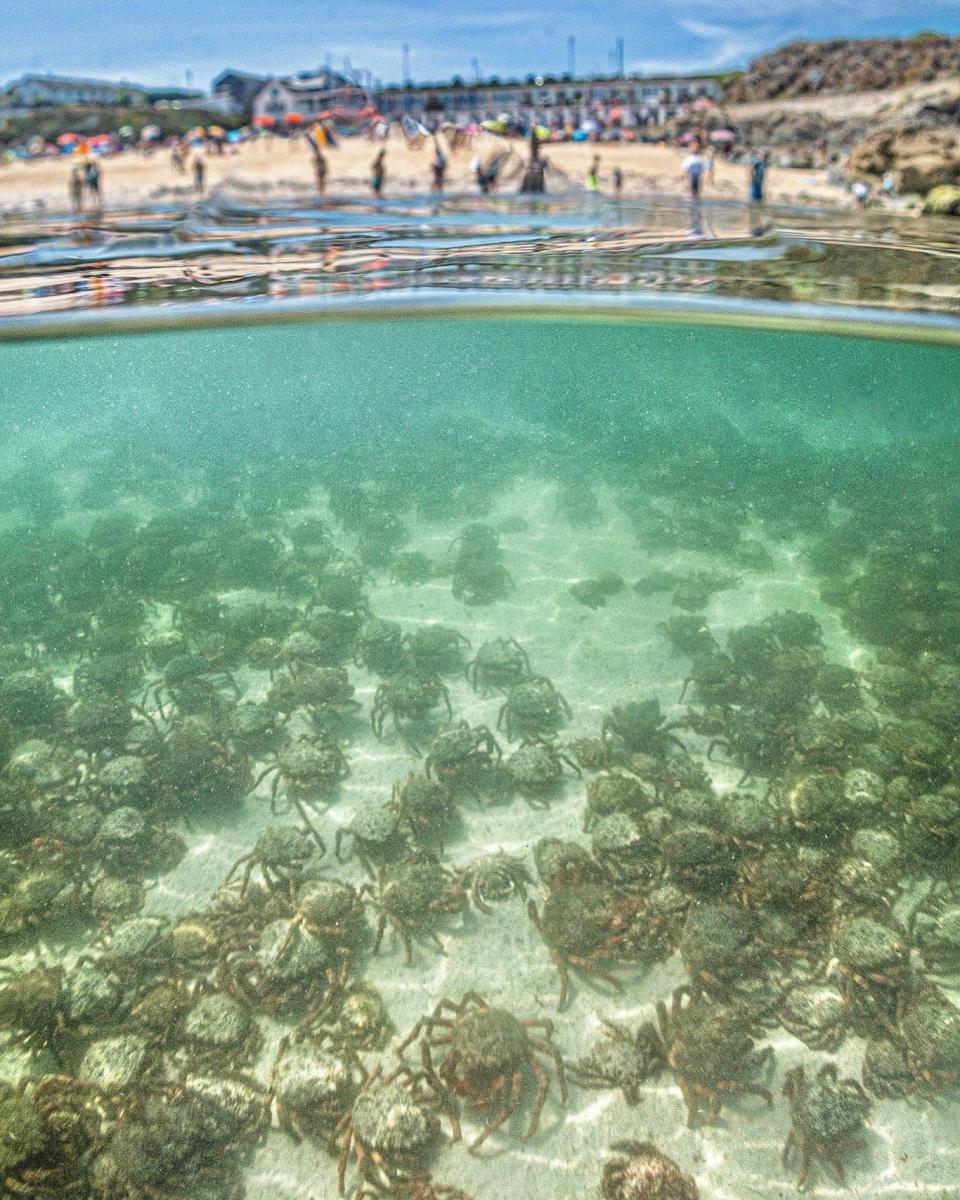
(76, 81)
(319, 81)
(245, 76)
(493, 85)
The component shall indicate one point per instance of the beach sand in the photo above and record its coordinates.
(271, 167)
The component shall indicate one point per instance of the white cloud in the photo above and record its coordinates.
(725, 47)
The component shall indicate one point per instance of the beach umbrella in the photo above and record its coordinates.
(125, 131)
(101, 139)
(36, 144)
(723, 136)
(579, 135)
(542, 132)
(149, 133)
(293, 118)
(68, 139)
(263, 122)
(216, 131)
(686, 138)
(235, 135)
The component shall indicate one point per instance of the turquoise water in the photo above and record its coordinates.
(220, 550)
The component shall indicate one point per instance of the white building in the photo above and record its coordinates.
(629, 102)
(33, 90)
(308, 95)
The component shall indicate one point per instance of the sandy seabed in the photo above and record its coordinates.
(596, 658)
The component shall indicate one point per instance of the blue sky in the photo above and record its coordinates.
(159, 41)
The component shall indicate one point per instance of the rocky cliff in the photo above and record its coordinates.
(846, 65)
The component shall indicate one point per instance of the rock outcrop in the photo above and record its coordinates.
(918, 159)
(846, 65)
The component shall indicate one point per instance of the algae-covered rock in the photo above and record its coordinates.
(943, 201)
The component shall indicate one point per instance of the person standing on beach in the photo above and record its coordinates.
(758, 175)
(710, 160)
(321, 169)
(593, 175)
(314, 137)
(617, 177)
(535, 171)
(76, 188)
(378, 173)
(91, 177)
(199, 171)
(480, 174)
(438, 167)
(694, 167)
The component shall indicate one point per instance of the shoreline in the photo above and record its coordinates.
(270, 168)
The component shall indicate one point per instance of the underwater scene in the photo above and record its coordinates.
(473, 758)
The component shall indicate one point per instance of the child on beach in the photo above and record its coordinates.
(378, 173)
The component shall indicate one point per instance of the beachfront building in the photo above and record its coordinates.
(34, 91)
(308, 95)
(632, 102)
(235, 91)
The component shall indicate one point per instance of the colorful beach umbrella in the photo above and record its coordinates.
(293, 118)
(149, 133)
(68, 139)
(723, 136)
(263, 122)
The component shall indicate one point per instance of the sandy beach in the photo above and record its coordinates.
(275, 167)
